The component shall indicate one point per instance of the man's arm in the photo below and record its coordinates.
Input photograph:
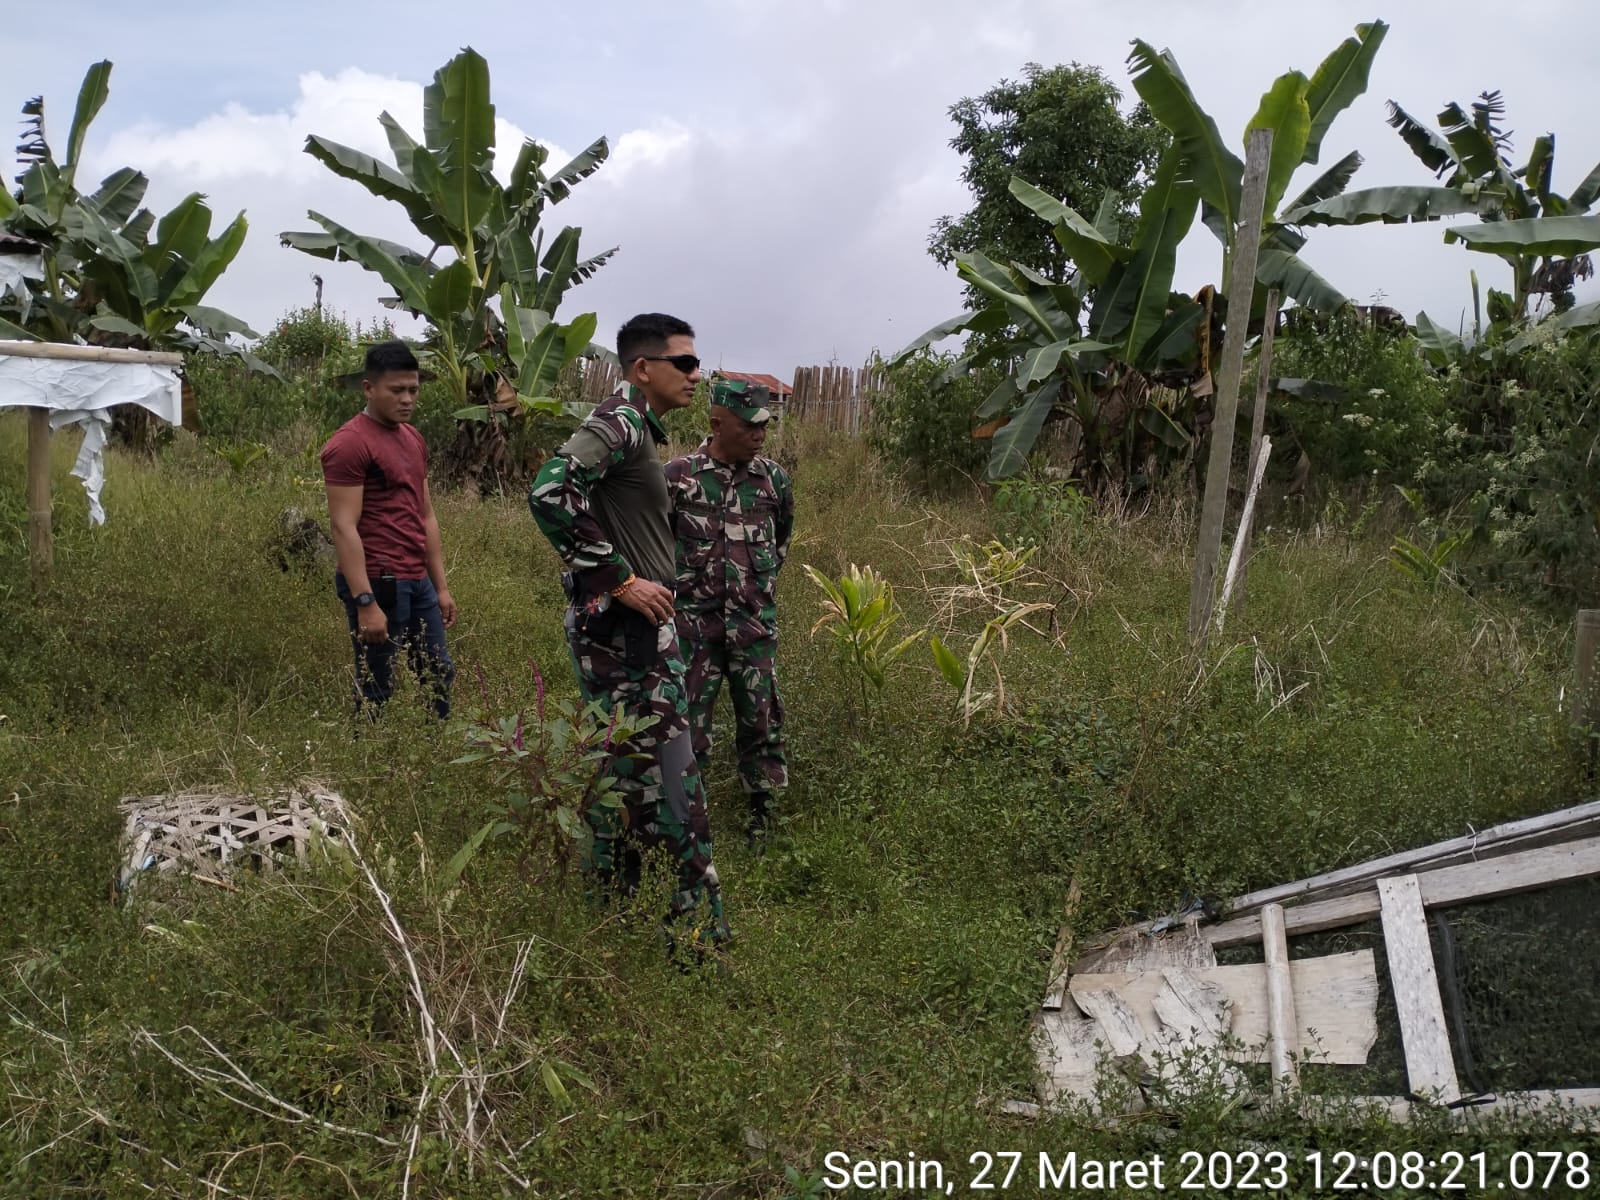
(434, 556)
(677, 472)
(561, 503)
(344, 513)
(785, 522)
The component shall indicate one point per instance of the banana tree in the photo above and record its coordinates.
(1137, 328)
(1544, 237)
(492, 231)
(102, 273)
(1299, 111)
(101, 278)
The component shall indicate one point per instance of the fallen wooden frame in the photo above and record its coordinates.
(1114, 984)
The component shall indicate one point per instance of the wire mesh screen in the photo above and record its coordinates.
(1520, 981)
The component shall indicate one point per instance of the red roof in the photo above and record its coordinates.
(779, 388)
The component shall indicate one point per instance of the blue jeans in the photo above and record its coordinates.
(415, 623)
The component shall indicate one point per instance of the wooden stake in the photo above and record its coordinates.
(41, 548)
(1258, 428)
(1258, 418)
(1241, 287)
(1241, 539)
(1283, 1028)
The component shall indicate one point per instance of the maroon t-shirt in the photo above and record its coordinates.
(391, 468)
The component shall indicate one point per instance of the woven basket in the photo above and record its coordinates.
(207, 833)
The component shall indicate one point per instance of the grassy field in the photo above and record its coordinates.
(888, 955)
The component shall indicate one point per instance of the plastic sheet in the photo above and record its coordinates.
(83, 393)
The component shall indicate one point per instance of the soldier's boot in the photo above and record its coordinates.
(763, 818)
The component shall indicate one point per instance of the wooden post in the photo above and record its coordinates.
(1241, 287)
(41, 546)
(71, 352)
(1283, 1027)
(1586, 693)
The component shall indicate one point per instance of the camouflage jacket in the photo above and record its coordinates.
(602, 499)
(732, 526)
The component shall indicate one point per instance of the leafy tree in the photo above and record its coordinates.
(1062, 129)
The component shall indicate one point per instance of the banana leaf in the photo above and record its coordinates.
(1008, 452)
(1283, 110)
(1291, 275)
(1391, 205)
(1217, 171)
(1551, 237)
(1340, 79)
(209, 264)
(1085, 245)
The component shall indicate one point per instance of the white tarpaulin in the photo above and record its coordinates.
(15, 271)
(83, 393)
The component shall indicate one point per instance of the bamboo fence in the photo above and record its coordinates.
(834, 397)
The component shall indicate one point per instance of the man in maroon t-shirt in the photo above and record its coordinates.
(391, 566)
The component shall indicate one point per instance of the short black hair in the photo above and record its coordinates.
(385, 357)
(647, 333)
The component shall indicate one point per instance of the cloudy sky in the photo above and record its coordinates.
(775, 166)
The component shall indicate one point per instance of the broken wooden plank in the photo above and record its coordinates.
(1064, 1046)
(1335, 996)
(1196, 1013)
(1513, 835)
(1197, 1009)
(1121, 1031)
(1524, 871)
(1430, 1069)
(1282, 1026)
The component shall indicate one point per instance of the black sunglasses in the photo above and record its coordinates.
(687, 363)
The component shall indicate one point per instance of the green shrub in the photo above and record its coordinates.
(922, 425)
(1386, 422)
(1030, 510)
(1519, 458)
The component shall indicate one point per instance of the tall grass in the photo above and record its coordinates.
(888, 955)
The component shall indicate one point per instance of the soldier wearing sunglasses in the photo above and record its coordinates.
(602, 503)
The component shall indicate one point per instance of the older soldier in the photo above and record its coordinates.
(602, 502)
(732, 513)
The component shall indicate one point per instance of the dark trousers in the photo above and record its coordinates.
(416, 624)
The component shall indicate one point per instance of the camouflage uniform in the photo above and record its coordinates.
(601, 500)
(732, 525)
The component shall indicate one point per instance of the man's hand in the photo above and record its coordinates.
(447, 608)
(648, 597)
(372, 623)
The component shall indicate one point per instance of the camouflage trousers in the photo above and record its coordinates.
(663, 798)
(757, 707)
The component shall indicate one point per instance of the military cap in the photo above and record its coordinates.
(752, 401)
